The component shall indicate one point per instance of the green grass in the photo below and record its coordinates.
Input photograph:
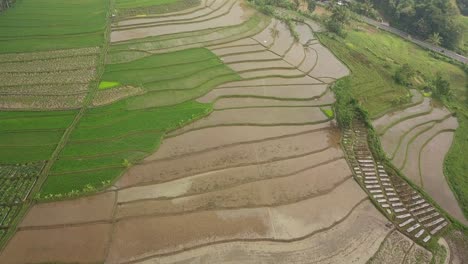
(373, 56)
(328, 112)
(32, 25)
(106, 85)
(456, 165)
(31, 136)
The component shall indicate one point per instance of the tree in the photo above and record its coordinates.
(404, 74)
(441, 87)
(339, 18)
(311, 4)
(435, 39)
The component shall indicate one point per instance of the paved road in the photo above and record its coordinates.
(421, 43)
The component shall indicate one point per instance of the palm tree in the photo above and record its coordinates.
(435, 39)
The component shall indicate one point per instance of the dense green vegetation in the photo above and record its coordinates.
(424, 18)
(374, 56)
(109, 139)
(32, 25)
(31, 136)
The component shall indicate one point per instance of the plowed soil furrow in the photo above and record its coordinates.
(253, 102)
(392, 137)
(272, 191)
(412, 162)
(224, 158)
(268, 116)
(362, 225)
(222, 179)
(291, 92)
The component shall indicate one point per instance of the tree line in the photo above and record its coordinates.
(432, 20)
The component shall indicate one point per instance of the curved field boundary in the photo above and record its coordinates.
(418, 100)
(416, 136)
(320, 129)
(393, 153)
(386, 128)
(422, 148)
(207, 208)
(175, 21)
(203, 5)
(333, 225)
(244, 183)
(168, 29)
(155, 10)
(225, 167)
(238, 32)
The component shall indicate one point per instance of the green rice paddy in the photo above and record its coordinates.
(33, 25)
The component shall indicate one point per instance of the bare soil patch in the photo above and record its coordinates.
(299, 186)
(222, 179)
(224, 103)
(254, 65)
(272, 81)
(215, 137)
(395, 133)
(259, 56)
(271, 72)
(355, 239)
(239, 155)
(261, 116)
(238, 49)
(281, 92)
(413, 164)
(86, 209)
(78, 244)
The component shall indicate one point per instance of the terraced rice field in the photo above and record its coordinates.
(205, 135)
(417, 139)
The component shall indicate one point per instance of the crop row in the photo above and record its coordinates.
(77, 76)
(45, 89)
(49, 65)
(50, 24)
(15, 190)
(47, 55)
(20, 170)
(7, 214)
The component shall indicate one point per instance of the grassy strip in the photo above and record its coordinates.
(456, 165)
